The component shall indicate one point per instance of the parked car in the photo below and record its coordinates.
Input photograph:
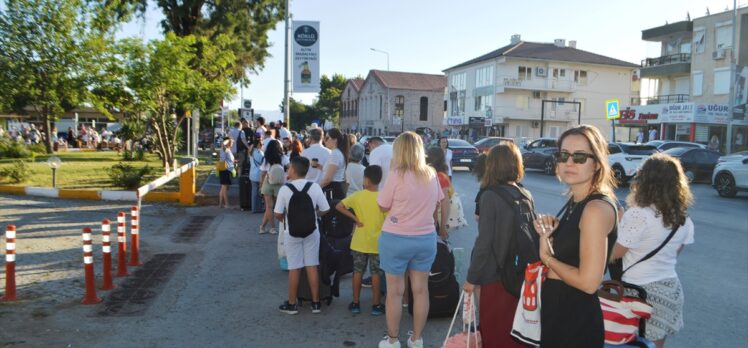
(539, 155)
(698, 164)
(483, 145)
(735, 156)
(731, 176)
(625, 159)
(463, 153)
(389, 139)
(664, 145)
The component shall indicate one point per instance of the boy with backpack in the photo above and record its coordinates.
(299, 203)
(369, 219)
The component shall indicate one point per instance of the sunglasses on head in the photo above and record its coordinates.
(577, 157)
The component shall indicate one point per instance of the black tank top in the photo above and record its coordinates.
(566, 237)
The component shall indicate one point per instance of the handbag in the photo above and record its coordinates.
(221, 166)
(621, 314)
(456, 216)
(282, 260)
(526, 325)
(469, 337)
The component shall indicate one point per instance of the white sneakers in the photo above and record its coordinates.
(385, 343)
(414, 344)
(273, 230)
(262, 230)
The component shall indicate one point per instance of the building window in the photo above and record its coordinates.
(381, 107)
(424, 109)
(580, 77)
(524, 73)
(457, 88)
(698, 80)
(559, 73)
(484, 105)
(721, 81)
(484, 76)
(724, 36)
(578, 106)
(399, 106)
(698, 40)
(522, 102)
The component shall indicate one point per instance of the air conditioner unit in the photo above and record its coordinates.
(718, 54)
(536, 94)
(541, 71)
(535, 124)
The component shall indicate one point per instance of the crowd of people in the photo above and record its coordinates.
(84, 137)
(399, 200)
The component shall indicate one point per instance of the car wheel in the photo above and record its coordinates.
(726, 185)
(690, 176)
(549, 168)
(619, 174)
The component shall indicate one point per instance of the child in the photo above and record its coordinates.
(301, 252)
(364, 245)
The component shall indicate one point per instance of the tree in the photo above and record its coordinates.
(302, 115)
(328, 102)
(46, 62)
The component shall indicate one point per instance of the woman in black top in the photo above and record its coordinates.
(581, 240)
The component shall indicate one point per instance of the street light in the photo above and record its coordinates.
(54, 162)
(386, 53)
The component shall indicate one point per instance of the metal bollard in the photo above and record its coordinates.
(10, 263)
(90, 297)
(134, 237)
(121, 246)
(106, 248)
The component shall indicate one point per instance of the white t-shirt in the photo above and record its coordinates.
(448, 159)
(319, 152)
(652, 134)
(229, 158)
(265, 166)
(642, 231)
(265, 143)
(354, 175)
(234, 134)
(285, 193)
(255, 161)
(284, 133)
(336, 158)
(382, 156)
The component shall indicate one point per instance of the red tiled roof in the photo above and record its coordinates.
(357, 83)
(411, 81)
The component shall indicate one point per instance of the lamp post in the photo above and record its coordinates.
(386, 53)
(54, 162)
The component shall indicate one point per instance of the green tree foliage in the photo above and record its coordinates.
(47, 59)
(328, 102)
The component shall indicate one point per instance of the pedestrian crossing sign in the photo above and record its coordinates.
(612, 109)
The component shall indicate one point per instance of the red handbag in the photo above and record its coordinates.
(621, 314)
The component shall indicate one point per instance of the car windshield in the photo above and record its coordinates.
(644, 150)
(677, 151)
(458, 142)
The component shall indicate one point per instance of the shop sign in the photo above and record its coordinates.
(712, 113)
(476, 122)
(676, 113)
(634, 116)
(454, 121)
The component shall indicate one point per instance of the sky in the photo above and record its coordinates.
(428, 36)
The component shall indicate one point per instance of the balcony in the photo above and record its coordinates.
(662, 33)
(661, 99)
(674, 64)
(534, 84)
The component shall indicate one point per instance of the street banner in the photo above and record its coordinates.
(740, 111)
(305, 59)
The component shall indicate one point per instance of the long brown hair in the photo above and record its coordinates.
(603, 181)
(661, 182)
(343, 142)
(503, 164)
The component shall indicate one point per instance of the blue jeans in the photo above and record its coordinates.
(257, 204)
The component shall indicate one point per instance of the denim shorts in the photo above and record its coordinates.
(398, 253)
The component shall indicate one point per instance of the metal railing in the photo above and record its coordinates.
(670, 59)
(661, 99)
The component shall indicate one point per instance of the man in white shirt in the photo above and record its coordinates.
(652, 134)
(236, 134)
(260, 131)
(380, 154)
(284, 132)
(315, 150)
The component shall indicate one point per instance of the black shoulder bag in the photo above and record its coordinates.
(618, 274)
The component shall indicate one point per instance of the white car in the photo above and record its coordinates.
(731, 176)
(625, 159)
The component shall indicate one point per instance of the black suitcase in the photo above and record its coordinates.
(444, 291)
(245, 193)
(305, 293)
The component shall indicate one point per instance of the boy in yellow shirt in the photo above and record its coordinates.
(365, 243)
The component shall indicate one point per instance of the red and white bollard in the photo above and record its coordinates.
(121, 246)
(10, 263)
(106, 248)
(134, 235)
(90, 297)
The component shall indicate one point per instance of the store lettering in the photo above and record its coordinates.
(651, 116)
(630, 115)
(717, 108)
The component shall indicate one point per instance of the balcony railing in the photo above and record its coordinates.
(664, 60)
(661, 99)
(535, 83)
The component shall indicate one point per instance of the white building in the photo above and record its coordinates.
(521, 90)
(349, 106)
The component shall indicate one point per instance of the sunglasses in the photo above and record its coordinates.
(577, 157)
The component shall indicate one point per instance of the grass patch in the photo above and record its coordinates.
(89, 170)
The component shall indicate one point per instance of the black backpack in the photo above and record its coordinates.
(524, 243)
(336, 225)
(301, 214)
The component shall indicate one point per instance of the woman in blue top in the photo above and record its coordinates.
(225, 175)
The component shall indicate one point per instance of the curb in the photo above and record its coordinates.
(96, 195)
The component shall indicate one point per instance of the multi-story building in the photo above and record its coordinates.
(390, 102)
(349, 106)
(689, 84)
(524, 89)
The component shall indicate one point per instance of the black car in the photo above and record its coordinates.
(698, 164)
(463, 154)
(539, 155)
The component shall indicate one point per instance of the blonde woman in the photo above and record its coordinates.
(575, 247)
(411, 196)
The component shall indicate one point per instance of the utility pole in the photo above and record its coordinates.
(733, 71)
(287, 83)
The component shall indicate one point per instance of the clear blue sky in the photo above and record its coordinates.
(428, 36)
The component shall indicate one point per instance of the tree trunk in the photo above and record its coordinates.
(48, 131)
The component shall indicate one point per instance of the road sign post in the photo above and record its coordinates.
(613, 112)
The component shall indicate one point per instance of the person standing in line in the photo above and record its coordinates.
(582, 238)
(435, 158)
(380, 154)
(652, 134)
(296, 149)
(354, 172)
(658, 205)
(283, 131)
(273, 157)
(496, 227)
(225, 175)
(411, 196)
(317, 154)
(256, 157)
(237, 137)
(260, 130)
(443, 144)
(333, 176)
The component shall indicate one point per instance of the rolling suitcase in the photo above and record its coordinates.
(245, 193)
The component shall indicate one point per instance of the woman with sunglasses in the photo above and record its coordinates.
(575, 246)
(333, 178)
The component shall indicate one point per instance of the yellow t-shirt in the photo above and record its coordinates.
(364, 205)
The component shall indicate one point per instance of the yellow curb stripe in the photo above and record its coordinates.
(15, 190)
(162, 197)
(80, 194)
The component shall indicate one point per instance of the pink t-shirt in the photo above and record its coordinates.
(411, 203)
